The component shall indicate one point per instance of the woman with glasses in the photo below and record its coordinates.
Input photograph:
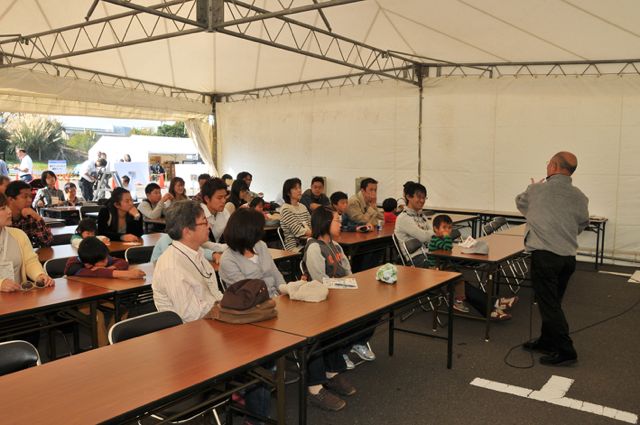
(19, 264)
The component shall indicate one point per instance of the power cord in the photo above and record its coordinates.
(599, 322)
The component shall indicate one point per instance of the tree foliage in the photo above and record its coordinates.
(173, 130)
(83, 141)
(40, 136)
(143, 132)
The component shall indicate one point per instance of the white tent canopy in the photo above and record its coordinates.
(140, 147)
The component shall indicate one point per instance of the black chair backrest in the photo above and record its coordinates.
(17, 355)
(498, 222)
(142, 325)
(487, 229)
(55, 267)
(138, 254)
(89, 208)
(63, 239)
(455, 234)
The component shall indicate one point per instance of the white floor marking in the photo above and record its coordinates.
(554, 392)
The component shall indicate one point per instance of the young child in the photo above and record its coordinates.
(339, 203)
(86, 229)
(258, 205)
(93, 260)
(389, 206)
(70, 191)
(441, 240)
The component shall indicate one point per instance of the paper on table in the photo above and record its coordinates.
(468, 243)
(340, 283)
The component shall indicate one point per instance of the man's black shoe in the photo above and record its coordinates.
(557, 359)
(535, 345)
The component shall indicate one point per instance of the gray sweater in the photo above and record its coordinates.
(235, 267)
(556, 212)
(413, 224)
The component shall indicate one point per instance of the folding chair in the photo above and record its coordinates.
(149, 323)
(138, 254)
(280, 233)
(55, 267)
(17, 355)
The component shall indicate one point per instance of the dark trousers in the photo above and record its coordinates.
(86, 187)
(328, 361)
(550, 275)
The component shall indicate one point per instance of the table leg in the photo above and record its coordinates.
(604, 225)
(116, 308)
(490, 282)
(302, 387)
(280, 390)
(93, 313)
(391, 332)
(597, 245)
(450, 327)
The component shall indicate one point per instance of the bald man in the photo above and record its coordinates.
(556, 212)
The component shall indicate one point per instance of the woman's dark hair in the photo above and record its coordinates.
(86, 225)
(68, 186)
(226, 177)
(245, 228)
(412, 188)
(4, 178)
(91, 250)
(3, 200)
(321, 219)
(172, 185)
(46, 174)
(237, 187)
(389, 204)
(243, 174)
(116, 196)
(287, 186)
(204, 176)
(256, 201)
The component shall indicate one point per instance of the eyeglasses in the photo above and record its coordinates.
(27, 286)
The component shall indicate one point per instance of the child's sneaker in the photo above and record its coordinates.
(461, 306)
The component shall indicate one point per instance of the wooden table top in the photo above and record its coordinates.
(102, 384)
(64, 251)
(351, 238)
(64, 292)
(119, 284)
(501, 248)
(346, 305)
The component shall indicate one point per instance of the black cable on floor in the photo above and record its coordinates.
(599, 322)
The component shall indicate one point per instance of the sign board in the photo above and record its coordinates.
(57, 166)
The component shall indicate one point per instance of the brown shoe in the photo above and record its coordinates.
(339, 385)
(326, 400)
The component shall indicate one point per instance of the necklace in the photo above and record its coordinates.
(206, 275)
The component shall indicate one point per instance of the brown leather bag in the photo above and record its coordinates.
(257, 313)
(245, 294)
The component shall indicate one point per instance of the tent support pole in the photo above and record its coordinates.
(419, 73)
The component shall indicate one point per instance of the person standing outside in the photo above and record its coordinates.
(25, 169)
(556, 212)
(88, 174)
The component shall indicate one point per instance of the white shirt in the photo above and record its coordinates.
(87, 170)
(180, 283)
(26, 163)
(217, 221)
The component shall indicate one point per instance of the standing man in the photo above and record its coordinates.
(25, 169)
(4, 170)
(556, 212)
(314, 197)
(88, 174)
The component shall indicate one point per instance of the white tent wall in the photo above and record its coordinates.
(483, 139)
(341, 133)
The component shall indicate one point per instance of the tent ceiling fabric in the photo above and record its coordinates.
(460, 31)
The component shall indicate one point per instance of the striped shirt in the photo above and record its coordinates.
(295, 221)
(436, 243)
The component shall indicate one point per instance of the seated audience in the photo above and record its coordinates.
(93, 260)
(238, 197)
(248, 256)
(228, 180)
(258, 205)
(48, 196)
(323, 257)
(295, 219)
(87, 228)
(177, 191)
(24, 217)
(126, 184)
(72, 199)
(24, 264)
(202, 179)
(214, 193)
(441, 240)
(119, 220)
(389, 206)
(314, 197)
(339, 203)
(362, 208)
(4, 182)
(248, 179)
(153, 207)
